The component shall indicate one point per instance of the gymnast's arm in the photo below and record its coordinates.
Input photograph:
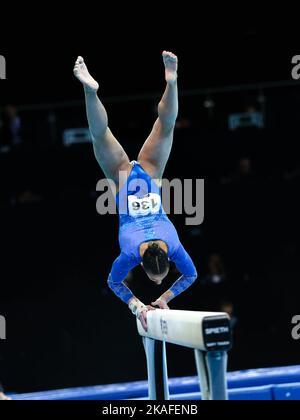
(185, 266)
(120, 269)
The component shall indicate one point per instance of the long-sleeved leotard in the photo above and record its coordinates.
(142, 219)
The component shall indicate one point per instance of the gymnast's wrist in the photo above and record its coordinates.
(136, 306)
(167, 296)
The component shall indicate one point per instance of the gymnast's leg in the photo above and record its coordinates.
(155, 152)
(108, 151)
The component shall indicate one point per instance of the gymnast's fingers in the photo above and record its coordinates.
(143, 319)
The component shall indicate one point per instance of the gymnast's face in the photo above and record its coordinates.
(156, 278)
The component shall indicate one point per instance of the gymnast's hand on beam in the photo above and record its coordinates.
(161, 303)
(143, 316)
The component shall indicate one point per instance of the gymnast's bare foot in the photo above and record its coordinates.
(171, 65)
(82, 74)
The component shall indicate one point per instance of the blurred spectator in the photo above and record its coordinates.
(11, 139)
(214, 282)
(215, 271)
(291, 175)
(237, 333)
(2, 395)
(183, 123)
(227, 307)
(244, 174)
(26, 197)
(10, 128)
(244, 167)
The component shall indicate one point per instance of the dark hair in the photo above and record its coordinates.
(155, 260)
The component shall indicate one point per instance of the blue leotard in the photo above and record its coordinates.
(142, 218)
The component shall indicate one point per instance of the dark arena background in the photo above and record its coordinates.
(238, 129)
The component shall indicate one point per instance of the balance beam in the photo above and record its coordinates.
(208, 333)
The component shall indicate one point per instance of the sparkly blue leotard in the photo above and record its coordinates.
(142, 219)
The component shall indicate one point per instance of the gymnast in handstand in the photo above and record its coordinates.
(146, 235)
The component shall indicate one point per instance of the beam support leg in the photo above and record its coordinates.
(157, 369)
(211, 368)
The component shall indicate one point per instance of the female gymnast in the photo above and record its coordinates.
(146, 235)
